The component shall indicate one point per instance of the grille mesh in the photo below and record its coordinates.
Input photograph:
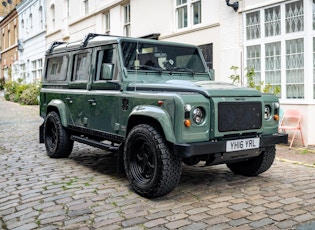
(237, 116)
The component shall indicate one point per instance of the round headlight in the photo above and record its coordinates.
(199, 115)
(267, 112)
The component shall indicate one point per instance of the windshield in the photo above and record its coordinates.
(149, 56)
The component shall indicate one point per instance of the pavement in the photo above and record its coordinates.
(85, 192)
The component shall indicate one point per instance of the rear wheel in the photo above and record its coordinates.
(151, 168)
(57, 141)
(256, 165)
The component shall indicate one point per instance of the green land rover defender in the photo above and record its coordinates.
(155, 105)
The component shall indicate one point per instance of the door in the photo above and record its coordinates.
(77, 96)
(105, 95)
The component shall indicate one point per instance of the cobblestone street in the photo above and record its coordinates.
(85, 192)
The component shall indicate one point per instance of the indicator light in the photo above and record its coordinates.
(187, 123)
(160, 103)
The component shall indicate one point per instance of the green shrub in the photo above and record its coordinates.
(25, 94)
(19, 90)
(29, 95)
(10, 89)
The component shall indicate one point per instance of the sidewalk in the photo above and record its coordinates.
(297, 155)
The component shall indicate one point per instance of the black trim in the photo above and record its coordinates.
(204, 148)
(98, 134)
(54, 45)
(170, 89)
(94, 143)
(154, 36)
(41, 133)
(88, 37)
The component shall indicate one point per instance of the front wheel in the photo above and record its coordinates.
(151, 168)
(256, 165)
(57, 141)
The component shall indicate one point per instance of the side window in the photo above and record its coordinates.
(207, 51)
(57, 68)
(81, 67)
(105, 64)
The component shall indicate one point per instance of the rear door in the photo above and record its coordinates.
(78, 88)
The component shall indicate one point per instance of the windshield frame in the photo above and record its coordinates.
(157, 56)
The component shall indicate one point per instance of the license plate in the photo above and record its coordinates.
(242, 144)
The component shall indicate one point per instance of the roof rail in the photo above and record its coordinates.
(88, 37)
(154, 36)
(53, 45)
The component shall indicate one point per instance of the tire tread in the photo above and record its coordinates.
(257, 165)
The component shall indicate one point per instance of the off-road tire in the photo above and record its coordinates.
(151, 168)
(57, 141)
(256, 165)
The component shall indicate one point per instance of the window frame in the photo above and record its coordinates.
(65, 69)
(99, 62)
(127, 19)
(76, 65)
(207, 51)
(37, 66)
(184, 14)
(85, 7)
(193, 4)
(53, 16)
(107, 22)
(309, 94)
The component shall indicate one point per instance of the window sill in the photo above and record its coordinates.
(189, 30)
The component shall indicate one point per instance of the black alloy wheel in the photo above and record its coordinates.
(151, 168)
(57, 141)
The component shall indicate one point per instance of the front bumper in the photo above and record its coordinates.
(211, 147)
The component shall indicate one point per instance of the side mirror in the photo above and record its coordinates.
(107, 71)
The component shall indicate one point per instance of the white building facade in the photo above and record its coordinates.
(197, 22)
(31, 42)
(274, 37)
(279, 43)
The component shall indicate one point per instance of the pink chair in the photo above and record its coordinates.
(291, 120)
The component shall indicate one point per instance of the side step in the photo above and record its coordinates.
(95, 143)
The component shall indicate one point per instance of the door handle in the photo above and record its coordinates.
(92, 101)
(69, 100)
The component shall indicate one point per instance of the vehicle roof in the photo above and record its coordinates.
(92, 40)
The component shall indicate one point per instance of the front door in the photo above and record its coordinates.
(104, 95)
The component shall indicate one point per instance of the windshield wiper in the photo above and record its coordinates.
(148, 67)
(183, 69)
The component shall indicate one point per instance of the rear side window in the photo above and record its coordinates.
(81, 67)
(57, 68)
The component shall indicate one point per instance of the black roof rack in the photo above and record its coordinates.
(53, 45)
(88, 37)
(154, 36)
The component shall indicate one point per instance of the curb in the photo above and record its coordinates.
(295, 162)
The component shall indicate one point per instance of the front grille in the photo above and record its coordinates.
(238, 116)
